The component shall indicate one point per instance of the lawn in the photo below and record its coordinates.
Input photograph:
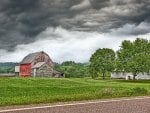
(19, 91)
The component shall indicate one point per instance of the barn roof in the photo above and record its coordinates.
(39, 64)
(57, 72)
(29, 58)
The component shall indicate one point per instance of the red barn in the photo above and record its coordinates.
(27, 64)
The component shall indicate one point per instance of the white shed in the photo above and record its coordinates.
(17, 69)
(127, 76)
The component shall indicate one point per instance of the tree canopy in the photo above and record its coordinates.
(101, 62)
(134, 56)
(73, 69)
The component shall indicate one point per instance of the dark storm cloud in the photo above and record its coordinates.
(22, 20)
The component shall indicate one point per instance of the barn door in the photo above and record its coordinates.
(25, 70)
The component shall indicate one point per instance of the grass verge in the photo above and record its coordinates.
(19, 91)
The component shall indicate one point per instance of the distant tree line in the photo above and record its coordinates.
(133, 57)
(72, 69)
(8, 67)
(7, 70)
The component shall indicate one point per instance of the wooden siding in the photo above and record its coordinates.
(43, 71)
(25, 70)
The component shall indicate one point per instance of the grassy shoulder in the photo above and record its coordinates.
(20, 91)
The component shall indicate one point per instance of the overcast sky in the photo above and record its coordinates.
(69, 29)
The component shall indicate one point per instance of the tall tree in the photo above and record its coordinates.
(102, 61)
(134, 56)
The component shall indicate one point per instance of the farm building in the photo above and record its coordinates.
(37, 64)
(127, 76)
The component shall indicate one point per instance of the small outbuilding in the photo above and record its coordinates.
(41, 69)
(17, 69)
(129, 76)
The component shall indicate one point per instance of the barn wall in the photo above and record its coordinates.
(121, 75)
(25, 70)
(118, 75)
(124, 75)
(143, 76)
(44, 71)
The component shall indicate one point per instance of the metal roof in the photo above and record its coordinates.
(29, 58)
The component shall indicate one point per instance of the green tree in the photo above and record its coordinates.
(72, 69)
(68, 63)
(134, 56)
(101, 62)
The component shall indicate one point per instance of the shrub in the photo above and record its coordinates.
(139, 90)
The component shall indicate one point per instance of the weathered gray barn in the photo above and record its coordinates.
(37, 64)
(41, 69)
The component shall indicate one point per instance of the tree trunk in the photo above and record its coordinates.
(134, 75)
(103, 75)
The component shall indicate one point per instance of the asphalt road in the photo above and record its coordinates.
(134, 105)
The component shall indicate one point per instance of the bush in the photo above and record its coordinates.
(139, 90)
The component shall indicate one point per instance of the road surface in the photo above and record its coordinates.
(131, 105)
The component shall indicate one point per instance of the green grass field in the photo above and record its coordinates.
(18, 91)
